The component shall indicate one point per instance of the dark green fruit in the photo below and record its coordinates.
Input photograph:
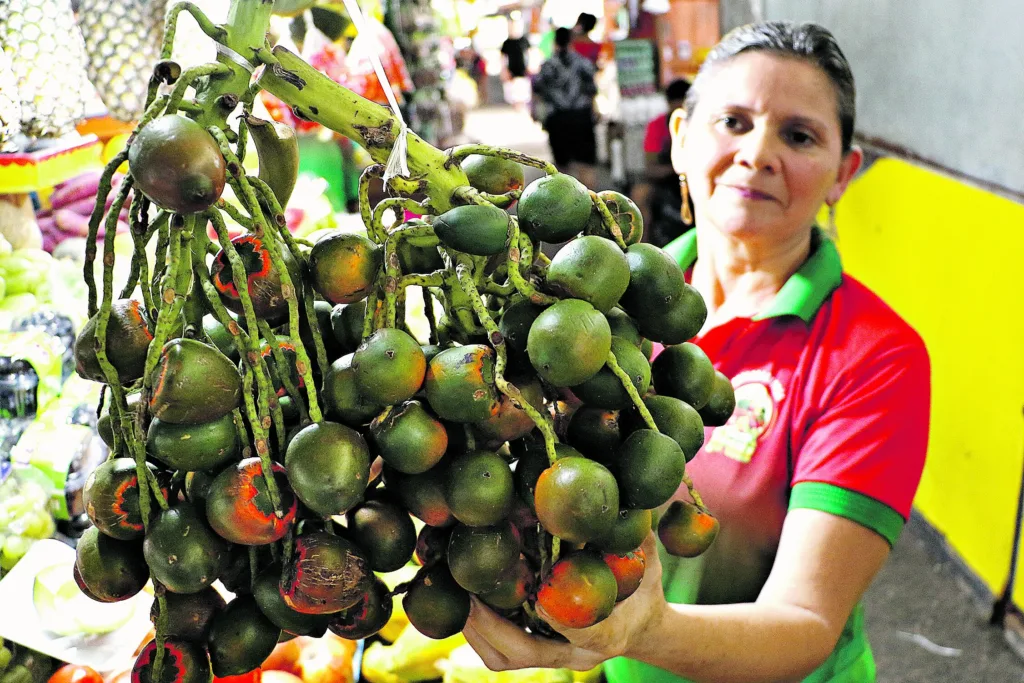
(493, 175)
(410, 439)
(626, 214)
(347, 325)
(569, 342)
(343, 266)
(684, 372)
(577, 499)
(263, 279)
(479, 229)
(655, 281)
(189, 615)
(623, 326)
(479, 489)
(480, 557)
(605, 390)
(554, 208)
(268, 597)
(460, 384)
(685, 530)
(674, 418)
(183, 662)
(328, 466)
(650, 468)
(128, 339)
(191, 447)
(220, 336)
(432, 544)
(721, 403)
(594, 432)
(182, 551)
(239, 508)
(193, 383)
(514, 588)
(177, 164)
(342, 395)
(241, 637)
(327, 573)
(111, 497)
(423, 494)
(385, 532)
(365, 618)
(111, 570)
(436, 605)
(389, 366)
(679, 322)
(197, 485)
(590, 268)
(290, 370)
(629, 531)
(515, 323)
(532, 460)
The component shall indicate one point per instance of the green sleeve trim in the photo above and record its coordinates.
(862, 509)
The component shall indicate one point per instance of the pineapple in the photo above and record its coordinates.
(47, 55)
(10, 106)
(122, 40)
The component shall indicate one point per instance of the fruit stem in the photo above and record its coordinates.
(365, 210)
(188, 80)
(428, 311)
(608, 219)
(234, 213)
(634, 395)
(697, 500)
(176, 284)
(138, 228)
(519, 243)
(316, 97)
(282, 362)
(161, 629)
(171, 26)
(94, 226)
(396, 204)
(241, 433)
(160, 258)
(457, 155)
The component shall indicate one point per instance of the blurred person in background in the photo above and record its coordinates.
(582, 42)
(514, 49)
(658, 195)
(566, 85)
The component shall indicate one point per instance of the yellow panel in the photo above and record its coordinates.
(948, 257)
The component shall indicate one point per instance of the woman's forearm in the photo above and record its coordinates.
(744, 643)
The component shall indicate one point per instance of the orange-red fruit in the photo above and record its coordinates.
(238, 504)
(579, 592)
(685, 530)
(628, 570)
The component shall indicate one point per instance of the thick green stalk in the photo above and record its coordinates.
(608, 219)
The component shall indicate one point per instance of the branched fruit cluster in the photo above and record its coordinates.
(274, 422)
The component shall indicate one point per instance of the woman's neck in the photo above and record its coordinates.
(739, 278)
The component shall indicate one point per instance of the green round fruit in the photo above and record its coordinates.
(193, 383)
(605, 390)
(512, 422)
(594, 432)
(128, 339)
(220, 336)
(197, 486)
(410, 439)
(266, 591)
(177, 164)
(263, 279)
(479, 489)
(389, 366)
(385, 532)
(627, 534)
(569, 342)
(685, 530)
(674, 418)
(480, 557)
(493, 175)
(365, 618)
(182, 551)
(192, 447)
(647, 346)
(347, 325)
(422, 494)
(721, 403)
(111, 570)
(183, 662)
(650, 468)
(241, 638)
(189, 615)
(327, 573)
(238, 505)
(343, 266)
(655, 281)
(435, 604)
(342, 396)
(516, 321)
(590, 268)
(432, 544)
(577, 499)
(684, 372)
(460, 384)
(328, 466)
(554, 208)
(623, 326)
(677, 323)
(626, 214)
(514, 588)
(111, 497)
(478, 229)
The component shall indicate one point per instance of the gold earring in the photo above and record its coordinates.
(684, 188)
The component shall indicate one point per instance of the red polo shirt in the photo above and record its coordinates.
(832, 407)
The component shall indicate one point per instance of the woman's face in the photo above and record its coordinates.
(763, 149)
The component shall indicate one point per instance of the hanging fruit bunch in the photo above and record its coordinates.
(253, 382)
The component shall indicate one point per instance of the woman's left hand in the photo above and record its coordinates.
(503, 645)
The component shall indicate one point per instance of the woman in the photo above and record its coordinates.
(813, 477)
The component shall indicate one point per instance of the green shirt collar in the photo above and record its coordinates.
(804, 292)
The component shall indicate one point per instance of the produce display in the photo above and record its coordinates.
(273, 421)
(24, 518)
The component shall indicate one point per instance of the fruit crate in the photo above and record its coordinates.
(24, 172)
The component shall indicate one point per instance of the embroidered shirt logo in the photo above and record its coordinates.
(758, 395)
